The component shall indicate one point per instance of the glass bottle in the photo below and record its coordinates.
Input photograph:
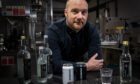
(24, 63)
(3, 53)
(125, 64)
(48, 56)
(41, 66)
(2, 47)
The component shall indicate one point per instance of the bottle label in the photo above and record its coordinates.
(49, 65)
(126, 70)
(20, 69)
(43, 70)
(27, 69)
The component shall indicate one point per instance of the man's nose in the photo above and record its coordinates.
(80, 15)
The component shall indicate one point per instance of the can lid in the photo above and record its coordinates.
(67, 64)
(80, 64)
(45, 36)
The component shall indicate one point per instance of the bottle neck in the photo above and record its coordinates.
(23, 44)
(46, 44)
(40, 52)
(2, 47)
(125, 49)
(24, 47)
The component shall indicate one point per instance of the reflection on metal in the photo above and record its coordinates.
(97, 11)
(27, 11)
(33, 20)
(51, 2)
(116, 8)
(46, 13)
(0, 4)
(27, 8)
(107, 13)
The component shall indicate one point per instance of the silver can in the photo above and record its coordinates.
(68, 73)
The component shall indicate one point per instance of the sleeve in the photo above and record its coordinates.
(54, 43)
(94, 43)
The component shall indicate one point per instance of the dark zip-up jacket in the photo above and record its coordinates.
(69, 46)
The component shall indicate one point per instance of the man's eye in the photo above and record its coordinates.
(75, 11)
(84, 12)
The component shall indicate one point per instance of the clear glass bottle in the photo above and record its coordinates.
(2, 47)
(125, 64)
(41, 66)
(48, 56)
(24, 63)
(3, 54)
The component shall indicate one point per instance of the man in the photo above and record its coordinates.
(73, 37)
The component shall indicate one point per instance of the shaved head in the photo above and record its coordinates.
(76, 13)
(71, 1)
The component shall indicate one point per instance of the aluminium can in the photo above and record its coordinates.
(80, 71)
(68, 73)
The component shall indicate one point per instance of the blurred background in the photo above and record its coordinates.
(116, 20)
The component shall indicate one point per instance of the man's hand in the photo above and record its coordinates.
(94, 64)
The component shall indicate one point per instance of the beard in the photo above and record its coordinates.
(76, 24)
(79, 22)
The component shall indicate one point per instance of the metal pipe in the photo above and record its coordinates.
(33, 20)
(97, 11)
(46, 12)
(51, 11)
(116, 8)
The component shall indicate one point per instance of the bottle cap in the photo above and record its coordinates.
(23, 37)
(40, 47)
(125, 42)
(45, 36)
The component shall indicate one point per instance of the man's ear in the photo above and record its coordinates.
(65, 12)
